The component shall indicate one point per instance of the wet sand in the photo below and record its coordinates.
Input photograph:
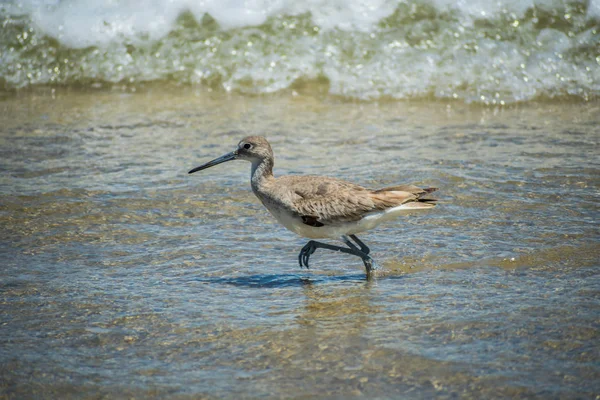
(125, 277)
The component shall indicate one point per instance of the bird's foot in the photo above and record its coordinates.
(306, 252)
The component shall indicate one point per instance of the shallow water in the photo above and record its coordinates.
(124, 276)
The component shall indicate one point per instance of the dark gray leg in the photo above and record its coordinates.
(363, 247)
(367, 260)
(313, 245)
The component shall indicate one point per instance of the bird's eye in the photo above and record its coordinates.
(247, 146)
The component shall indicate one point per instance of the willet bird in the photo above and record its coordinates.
(319, 207)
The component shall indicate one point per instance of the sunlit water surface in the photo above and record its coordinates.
(124, 276)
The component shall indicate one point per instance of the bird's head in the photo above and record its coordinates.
(252, 148)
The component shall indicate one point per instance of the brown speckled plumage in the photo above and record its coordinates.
(333, 200)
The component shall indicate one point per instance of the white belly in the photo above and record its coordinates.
(336, 230)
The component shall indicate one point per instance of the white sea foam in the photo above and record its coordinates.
(488, 51)
(81, 23)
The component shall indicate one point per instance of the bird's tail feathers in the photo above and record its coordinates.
(408, 196)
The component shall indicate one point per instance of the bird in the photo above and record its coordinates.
(319, 207)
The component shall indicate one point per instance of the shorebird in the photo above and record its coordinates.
(318, 207)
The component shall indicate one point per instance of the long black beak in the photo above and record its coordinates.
(227, 157)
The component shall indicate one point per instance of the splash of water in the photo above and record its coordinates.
(478, 51)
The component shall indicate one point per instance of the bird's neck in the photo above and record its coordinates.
(262, 172)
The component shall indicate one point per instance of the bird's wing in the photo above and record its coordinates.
(322, 200)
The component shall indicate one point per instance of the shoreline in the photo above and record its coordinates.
(316, 89)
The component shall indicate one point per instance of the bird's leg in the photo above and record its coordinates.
(363, 247)
(362, 253)
(313, 245)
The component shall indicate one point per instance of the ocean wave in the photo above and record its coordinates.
(482, 51)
